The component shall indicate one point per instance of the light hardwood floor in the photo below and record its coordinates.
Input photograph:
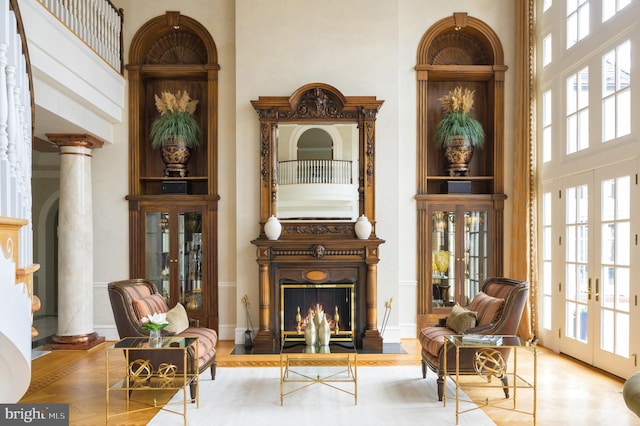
(569, 393)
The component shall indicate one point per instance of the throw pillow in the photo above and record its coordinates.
(487, 307)
(461, 319)
(178, 319)
(149, 305)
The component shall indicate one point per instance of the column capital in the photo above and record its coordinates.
(83, 140)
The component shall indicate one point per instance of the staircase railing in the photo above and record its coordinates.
(98, 23)
(17, 301)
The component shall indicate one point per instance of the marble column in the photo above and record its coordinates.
(75, 243)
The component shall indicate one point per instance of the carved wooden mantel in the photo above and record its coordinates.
(313, 250)
(306, 260)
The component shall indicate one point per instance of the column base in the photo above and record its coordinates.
(372, 341)
(82, 342)
(264, 342)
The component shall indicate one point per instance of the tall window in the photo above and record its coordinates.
(616, 92)
(578, 111)
(586, 138)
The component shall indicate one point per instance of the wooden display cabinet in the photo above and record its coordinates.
(464, 213)
(173, 220)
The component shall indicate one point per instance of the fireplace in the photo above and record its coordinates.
(299, 302)
(345, 267)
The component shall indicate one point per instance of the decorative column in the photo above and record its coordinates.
(75, 243)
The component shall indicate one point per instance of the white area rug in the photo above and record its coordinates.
(386, 396)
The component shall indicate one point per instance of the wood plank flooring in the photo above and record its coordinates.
(568, 391)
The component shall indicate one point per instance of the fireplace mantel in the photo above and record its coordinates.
(317, 260)
(319, 246)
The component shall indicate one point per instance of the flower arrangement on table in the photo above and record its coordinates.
(155, 322)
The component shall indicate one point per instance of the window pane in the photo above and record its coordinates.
(607, 291)
(583, 24)
(623, 233)
(607, 330)
(609, 73)
(623, 113)
(608, 205)
(572, 94)
(546, 50)
(623, 65)
(622, 334)
(608, 119)
(572, 30)
(583, 130)
(608, 241)
(583, 88)
(623, 197)
(622, 284)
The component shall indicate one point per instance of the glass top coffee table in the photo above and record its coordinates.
(302, 366)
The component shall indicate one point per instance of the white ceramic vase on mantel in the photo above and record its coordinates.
(363, 228)
(272, 228)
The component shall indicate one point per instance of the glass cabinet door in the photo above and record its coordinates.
(190, 246)
(443, 249)
(157, 251)
(173, 256)
(475, 255)
(459, 255)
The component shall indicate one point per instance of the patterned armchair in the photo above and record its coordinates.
(497, 309)
(134, 299)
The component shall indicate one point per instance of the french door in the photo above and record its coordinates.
(591, 294)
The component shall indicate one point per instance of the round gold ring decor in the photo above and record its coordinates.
(166, 374)
(139, 372)
(489, 362)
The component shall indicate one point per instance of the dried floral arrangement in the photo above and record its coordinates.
(176, 119)
(457, 105)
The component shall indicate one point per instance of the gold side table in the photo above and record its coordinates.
(328, 365)
(489, 363)
(140, 375)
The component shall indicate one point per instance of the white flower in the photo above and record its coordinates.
(158, 319)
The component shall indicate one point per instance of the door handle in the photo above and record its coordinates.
(595, 293)
(588, 292)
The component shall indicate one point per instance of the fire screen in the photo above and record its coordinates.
(300, 302)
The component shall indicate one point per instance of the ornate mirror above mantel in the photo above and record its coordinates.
(317, 176)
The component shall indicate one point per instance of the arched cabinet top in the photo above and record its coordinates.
(173, 39)
(460, 40)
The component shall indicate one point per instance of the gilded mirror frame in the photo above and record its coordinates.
(316, 103)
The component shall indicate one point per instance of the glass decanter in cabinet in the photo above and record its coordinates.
(461, 247)
(173, 249)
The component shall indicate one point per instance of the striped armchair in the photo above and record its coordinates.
(134, 299)
(497, 309)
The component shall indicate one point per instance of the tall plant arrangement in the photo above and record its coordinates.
(175, 120)
(457, 105)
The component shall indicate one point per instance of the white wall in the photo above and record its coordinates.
(361, 47)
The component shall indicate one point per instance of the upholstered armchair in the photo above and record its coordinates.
(134, 299)
(496, 309)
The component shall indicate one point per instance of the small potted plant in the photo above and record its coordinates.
(458, 133)
(175, 131)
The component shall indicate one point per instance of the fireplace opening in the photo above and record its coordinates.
(300, 300)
